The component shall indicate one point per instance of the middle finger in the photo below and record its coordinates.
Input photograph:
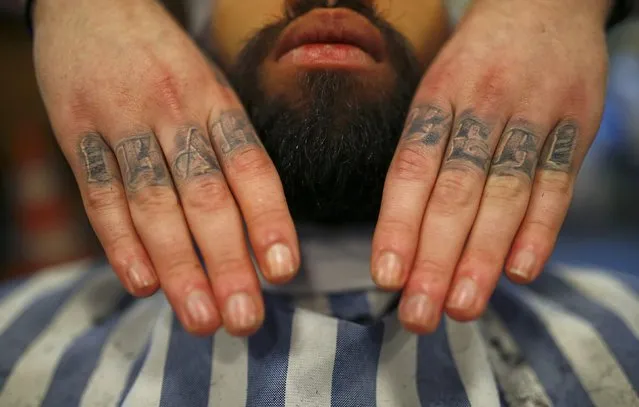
(449, 216)
(256, 186)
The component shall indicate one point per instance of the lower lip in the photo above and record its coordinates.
(328, 56)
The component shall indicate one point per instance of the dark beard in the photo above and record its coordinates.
(333, 147)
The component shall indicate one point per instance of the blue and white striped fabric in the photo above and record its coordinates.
(71, 336)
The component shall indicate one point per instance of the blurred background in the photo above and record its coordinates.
(43, 222)
(40, 212)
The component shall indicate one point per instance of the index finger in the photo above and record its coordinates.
(257, 188)
(409, 183)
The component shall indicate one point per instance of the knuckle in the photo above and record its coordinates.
(412, 163)
(428, 266)
(155, 199)
(541, 226)
(76, 115)
(231, 267)
(556, 183)
(454, 191)
(166, 90)
(206, 194)
(437, 79)
(102, 200)
(482, 260)
(396, 225)
(430, 273)
(119, 244)
(251, 161)
(265, 219)
(506, 189)
(181, 269)
(491, 88)
(577, 98)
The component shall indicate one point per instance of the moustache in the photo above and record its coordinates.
(297, 8)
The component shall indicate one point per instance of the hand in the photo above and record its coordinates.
(484, 172)
(163, 154)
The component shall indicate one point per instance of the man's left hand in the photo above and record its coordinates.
(484, 172)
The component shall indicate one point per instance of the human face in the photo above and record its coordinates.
(424, 23)
(329, 35)
(327, 87)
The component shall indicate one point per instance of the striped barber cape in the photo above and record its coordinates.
(71, 336)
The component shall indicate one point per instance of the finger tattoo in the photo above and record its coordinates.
(232, 131)
(195, 155)
(141, 162)
(94, 152)
(560, 148)
(517, 153)
(427, 125)
(470, 144)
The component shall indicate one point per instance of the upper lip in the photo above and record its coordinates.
(332, 26)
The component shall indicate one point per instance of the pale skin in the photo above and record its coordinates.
(165, 156)
(483, 176)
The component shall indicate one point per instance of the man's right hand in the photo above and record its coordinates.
(163, 154)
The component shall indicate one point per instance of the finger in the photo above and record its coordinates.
(409, 182)
(98, 177)
(259, 193)
(552, 192)
(449, 216)
(503, 205)
(214, 220)
(160, 223)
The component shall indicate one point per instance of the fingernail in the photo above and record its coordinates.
(280, 261)
(418, 310)
(241, 312)
(200, 308)
(141, 275)
(389, 270)
(524, 264)
(464, 294)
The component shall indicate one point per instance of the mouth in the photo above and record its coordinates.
(325, 37)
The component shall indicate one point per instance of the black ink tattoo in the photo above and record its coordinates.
(517, 152)
(232, 131)
(560, 148)
(426, 124)
(94, 153)
(141, 162)
(195, 155)
(470, 143)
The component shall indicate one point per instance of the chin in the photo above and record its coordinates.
(331, 140)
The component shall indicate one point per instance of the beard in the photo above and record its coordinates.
(332, 146)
